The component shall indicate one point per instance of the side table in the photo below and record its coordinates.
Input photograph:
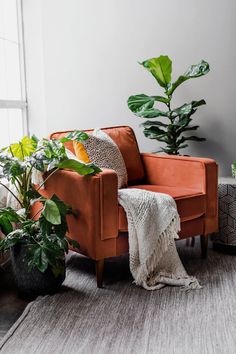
(225, 239)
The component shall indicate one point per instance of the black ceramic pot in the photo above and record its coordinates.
(31, 283)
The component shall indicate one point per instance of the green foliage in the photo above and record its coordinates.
(193, 72)
(46, 246)
(160, 68)
(51, 212)
(81, 168)
(176, 121)
(7, 217)
(45, 238)
(23, 148)
(76, 135)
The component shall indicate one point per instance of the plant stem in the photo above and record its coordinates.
(21, 147)
(52, 173)
(29, 175)
(12, 194)
(37, 213)
(18, 185)
(11, 151)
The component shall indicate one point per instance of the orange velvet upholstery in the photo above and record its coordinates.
(190, 203)
(95, 200)
(199, 174)
(101, 224)
(125, 139)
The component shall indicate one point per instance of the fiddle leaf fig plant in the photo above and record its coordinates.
(175, 122)
(23, 165)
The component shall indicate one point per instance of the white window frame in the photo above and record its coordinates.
(20, 104)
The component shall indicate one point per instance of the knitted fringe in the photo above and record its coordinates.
(164, 278)
(162, 244)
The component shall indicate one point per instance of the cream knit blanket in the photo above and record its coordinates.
(153, 225)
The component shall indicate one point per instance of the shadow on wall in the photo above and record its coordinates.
(212, 148)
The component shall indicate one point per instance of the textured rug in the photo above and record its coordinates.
(123, 318)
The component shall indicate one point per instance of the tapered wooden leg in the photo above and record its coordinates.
(192, 241)
(204, 245)
(187, 242)
(99, 272)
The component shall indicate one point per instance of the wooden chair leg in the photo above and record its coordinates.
(99, 272)
(187, 242)
(192, 241)
(204, 245)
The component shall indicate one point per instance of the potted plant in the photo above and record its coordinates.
(37, 242)
(175, 121)
(233, 169)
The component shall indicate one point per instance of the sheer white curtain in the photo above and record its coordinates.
(13, 107)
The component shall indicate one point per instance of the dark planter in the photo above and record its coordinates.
(31, 283)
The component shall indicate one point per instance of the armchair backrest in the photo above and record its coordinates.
(125, 139)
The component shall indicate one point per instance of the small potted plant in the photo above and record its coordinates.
(175, 122)
(38, 242)
(233, 169)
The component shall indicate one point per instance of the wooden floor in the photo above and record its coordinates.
(11, 306)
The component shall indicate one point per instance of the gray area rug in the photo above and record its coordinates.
(123, 318)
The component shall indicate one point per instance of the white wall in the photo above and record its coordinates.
(82, 64)
(35, 83)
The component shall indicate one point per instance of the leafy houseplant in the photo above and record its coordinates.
(38, 242)
(176, 120)
(233, 169)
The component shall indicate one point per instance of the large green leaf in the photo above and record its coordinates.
(152, 113)
(35, 141)
(37, 258)
(183, 121)
(24, 148)
(10, 213)
(160, 68)
(76, 135)
(188, 108)
(60, 230)
(142, 102)
(13, 168)
(185, 129)
(38, 164)
(161, 99)
(45, 226)
(81, 168)
(194, 71)
(142, 106)
(32, 193)
(139, 103)
(151, 123)
(155, 133)
(156, 130)
(60, 204)
(5, 225)
(51, 212)
(11, 239)
(7, 217)
(194, 138)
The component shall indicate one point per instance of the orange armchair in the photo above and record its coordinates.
(101, 225)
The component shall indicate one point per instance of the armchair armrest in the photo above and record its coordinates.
(200, 174)
(95, 199)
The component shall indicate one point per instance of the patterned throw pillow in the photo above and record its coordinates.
(103, 151)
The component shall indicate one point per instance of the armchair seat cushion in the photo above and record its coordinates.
(191, 204)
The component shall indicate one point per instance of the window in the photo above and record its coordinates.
(13, 107)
